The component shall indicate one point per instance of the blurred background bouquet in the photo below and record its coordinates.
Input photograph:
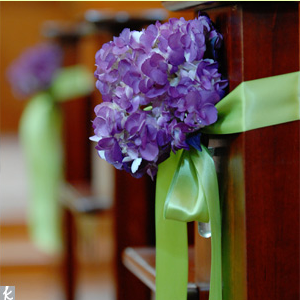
(65, 34)
(35, 69)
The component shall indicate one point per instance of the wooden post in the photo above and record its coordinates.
(259, 171)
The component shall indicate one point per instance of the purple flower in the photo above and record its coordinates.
(34, 70)
(159, 87)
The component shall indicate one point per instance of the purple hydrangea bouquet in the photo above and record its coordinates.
(159, 88)
(34, 70)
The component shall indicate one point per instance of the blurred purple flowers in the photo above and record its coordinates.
(34, 70)
(159, 86)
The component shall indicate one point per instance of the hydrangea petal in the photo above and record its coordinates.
(135, 164)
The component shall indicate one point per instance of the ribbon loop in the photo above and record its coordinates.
(186, 199)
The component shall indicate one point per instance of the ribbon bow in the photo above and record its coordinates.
(187, 188)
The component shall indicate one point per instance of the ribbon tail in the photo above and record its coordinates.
(171, 241)
(40, 135)
(206, 169)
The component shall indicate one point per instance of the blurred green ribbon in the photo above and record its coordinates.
(187, 187)
(41, 138)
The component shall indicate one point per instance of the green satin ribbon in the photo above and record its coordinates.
(192, 194)
(40, 134)
(259, 103)
(171, 250)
